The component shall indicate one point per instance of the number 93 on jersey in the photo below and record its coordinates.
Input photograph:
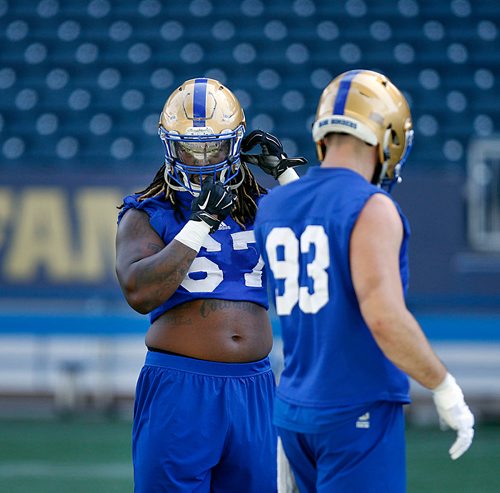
(299, 266)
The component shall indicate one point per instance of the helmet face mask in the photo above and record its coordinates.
(368, 106)
(201, 126)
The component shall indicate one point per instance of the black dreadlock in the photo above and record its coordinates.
(245, 207)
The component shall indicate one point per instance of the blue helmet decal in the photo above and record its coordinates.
(343, 91)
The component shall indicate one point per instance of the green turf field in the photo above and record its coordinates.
(94, 457)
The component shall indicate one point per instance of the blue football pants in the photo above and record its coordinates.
(361, 453)
(202, 426)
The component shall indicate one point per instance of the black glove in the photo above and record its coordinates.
(213, 204)
(272, 159)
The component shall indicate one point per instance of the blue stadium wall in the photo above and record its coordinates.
(82, 84)
(57, 257)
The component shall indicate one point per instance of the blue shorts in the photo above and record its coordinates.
(202, 426)
(363, 452)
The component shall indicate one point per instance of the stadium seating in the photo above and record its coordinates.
(82, 82)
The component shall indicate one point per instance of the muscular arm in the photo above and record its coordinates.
(374, 260)
(148, 271)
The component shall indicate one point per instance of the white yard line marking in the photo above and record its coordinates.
(116, 470)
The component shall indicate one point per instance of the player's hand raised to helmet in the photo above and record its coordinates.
(272, 159)
(213, 204)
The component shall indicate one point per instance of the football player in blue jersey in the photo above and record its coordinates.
(186, 255)
(335, 244)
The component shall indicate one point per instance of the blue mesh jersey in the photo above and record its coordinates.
(227, 267)
(331, 358)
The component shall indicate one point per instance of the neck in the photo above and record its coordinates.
(345, 151)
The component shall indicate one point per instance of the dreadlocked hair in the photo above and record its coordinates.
(245, 207)
(246, 198)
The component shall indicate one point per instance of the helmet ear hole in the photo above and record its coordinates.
(376, 174)
(394, 138)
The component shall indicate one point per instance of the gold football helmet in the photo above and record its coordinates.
(369, 106)
(201, 126)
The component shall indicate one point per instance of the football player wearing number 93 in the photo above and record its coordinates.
(185, 255)
(335, 244)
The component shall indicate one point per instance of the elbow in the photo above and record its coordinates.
(385, 324)
(381, 323)
(379, 326)
(142, 297)
(136, 298)
(135, 301)
(138, 301)
(138, 305)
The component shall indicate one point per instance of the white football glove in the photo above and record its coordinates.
(454, 413)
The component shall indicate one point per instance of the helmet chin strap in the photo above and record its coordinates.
(169, 183)
(188, 186)
(240, 181)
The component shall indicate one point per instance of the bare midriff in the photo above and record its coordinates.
(214, 330)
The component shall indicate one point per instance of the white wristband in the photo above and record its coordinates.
(193, 234)
(288, 176)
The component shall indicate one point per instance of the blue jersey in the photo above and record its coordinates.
(331, 357)
(227, 267)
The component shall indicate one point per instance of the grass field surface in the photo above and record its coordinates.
(94, 456)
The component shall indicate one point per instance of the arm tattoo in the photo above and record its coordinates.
(170, 278)
(154, 247)
(162, 276)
